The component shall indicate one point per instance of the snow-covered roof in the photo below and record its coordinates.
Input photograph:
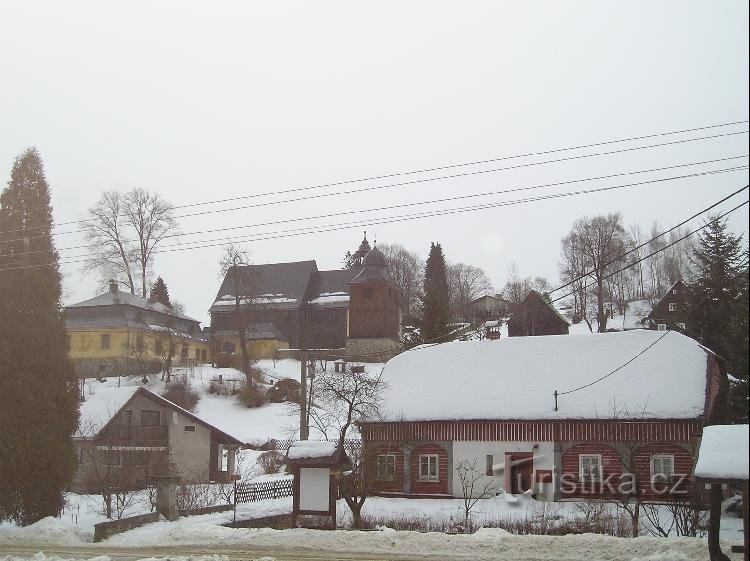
(723, 453)
(100, 406)
(307, 449)
(110, 298)
(515, 378)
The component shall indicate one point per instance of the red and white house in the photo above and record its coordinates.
(631, 402)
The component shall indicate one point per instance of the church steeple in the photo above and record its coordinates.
(364, 248)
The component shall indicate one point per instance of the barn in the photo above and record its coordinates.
(554, 416)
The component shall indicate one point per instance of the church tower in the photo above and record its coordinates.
(374, 310)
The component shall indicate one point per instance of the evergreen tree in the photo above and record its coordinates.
(38, 387)
(436, 312)
(160, 293)
(718, 309)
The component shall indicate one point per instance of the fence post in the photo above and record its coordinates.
(234, 500)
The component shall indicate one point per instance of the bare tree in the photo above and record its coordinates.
(337, 401)
(233, 265)
(474, 486)
(466, 283)
(406, 269)
(124, 230)
(596, 246)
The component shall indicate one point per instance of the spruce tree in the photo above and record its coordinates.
(159, 293)
(38, 387)
(718, 310)
(436, 299)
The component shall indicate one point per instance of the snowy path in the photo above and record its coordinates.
(228, 545)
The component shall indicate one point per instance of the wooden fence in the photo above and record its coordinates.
(263, 490)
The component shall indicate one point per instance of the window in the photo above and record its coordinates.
(227, 347)
(112, 457)
(428, 467)
(590, 467)
(386, 467)
(104, 342)
(150, 418)
(662, 327)
(672, 307)
(662, 466)
(368, 292)
(139, 343)
(140, 458)
(489, 462)
(189, 428)
(681, 326)
(159, 347)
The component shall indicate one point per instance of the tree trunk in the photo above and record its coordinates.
(714, 524)
(108, 504)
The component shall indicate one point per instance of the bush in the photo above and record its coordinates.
(182, 394)
(286, 389)
(217, 388)
(270, 461)
(252, 395)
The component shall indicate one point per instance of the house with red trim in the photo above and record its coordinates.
(555, 416)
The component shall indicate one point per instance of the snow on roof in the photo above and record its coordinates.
(723, 453)
(304, 449)
(515, 378)
(100, 406)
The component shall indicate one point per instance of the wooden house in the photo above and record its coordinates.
(556, 416)
(671, 312)
(536, 315)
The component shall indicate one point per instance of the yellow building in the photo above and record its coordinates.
(118, 333)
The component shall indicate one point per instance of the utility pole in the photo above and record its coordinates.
(304, 429)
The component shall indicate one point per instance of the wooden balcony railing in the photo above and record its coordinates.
(134, 434)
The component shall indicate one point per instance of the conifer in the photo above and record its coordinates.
(38, 386)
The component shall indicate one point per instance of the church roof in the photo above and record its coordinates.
(373, 268)
(270, 286)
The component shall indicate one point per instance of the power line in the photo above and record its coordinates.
(406, 205)
(393, 219)
(440, 178)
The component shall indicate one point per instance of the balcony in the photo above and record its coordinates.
(134, 435)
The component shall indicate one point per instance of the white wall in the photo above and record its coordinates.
(190, 451)
(543, 459)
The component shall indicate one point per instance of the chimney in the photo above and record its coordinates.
(113, 286)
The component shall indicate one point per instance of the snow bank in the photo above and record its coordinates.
(515, 378)
(48, 531)
(304, 449)
(723, 453)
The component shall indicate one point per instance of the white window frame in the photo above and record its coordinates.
(672, 306)
(661, 327)
(386, 467)
(429, 459)
(661, 458)
(581, 474)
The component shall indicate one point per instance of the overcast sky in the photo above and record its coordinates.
(220, 100)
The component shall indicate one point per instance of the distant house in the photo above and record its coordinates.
(486, 308)
(355, 311)
(120, 333)
(536, 316)
(671, 312)
(494, 406)
(129, 435)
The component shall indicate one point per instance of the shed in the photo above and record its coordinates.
(723, 459)
(316, 466)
